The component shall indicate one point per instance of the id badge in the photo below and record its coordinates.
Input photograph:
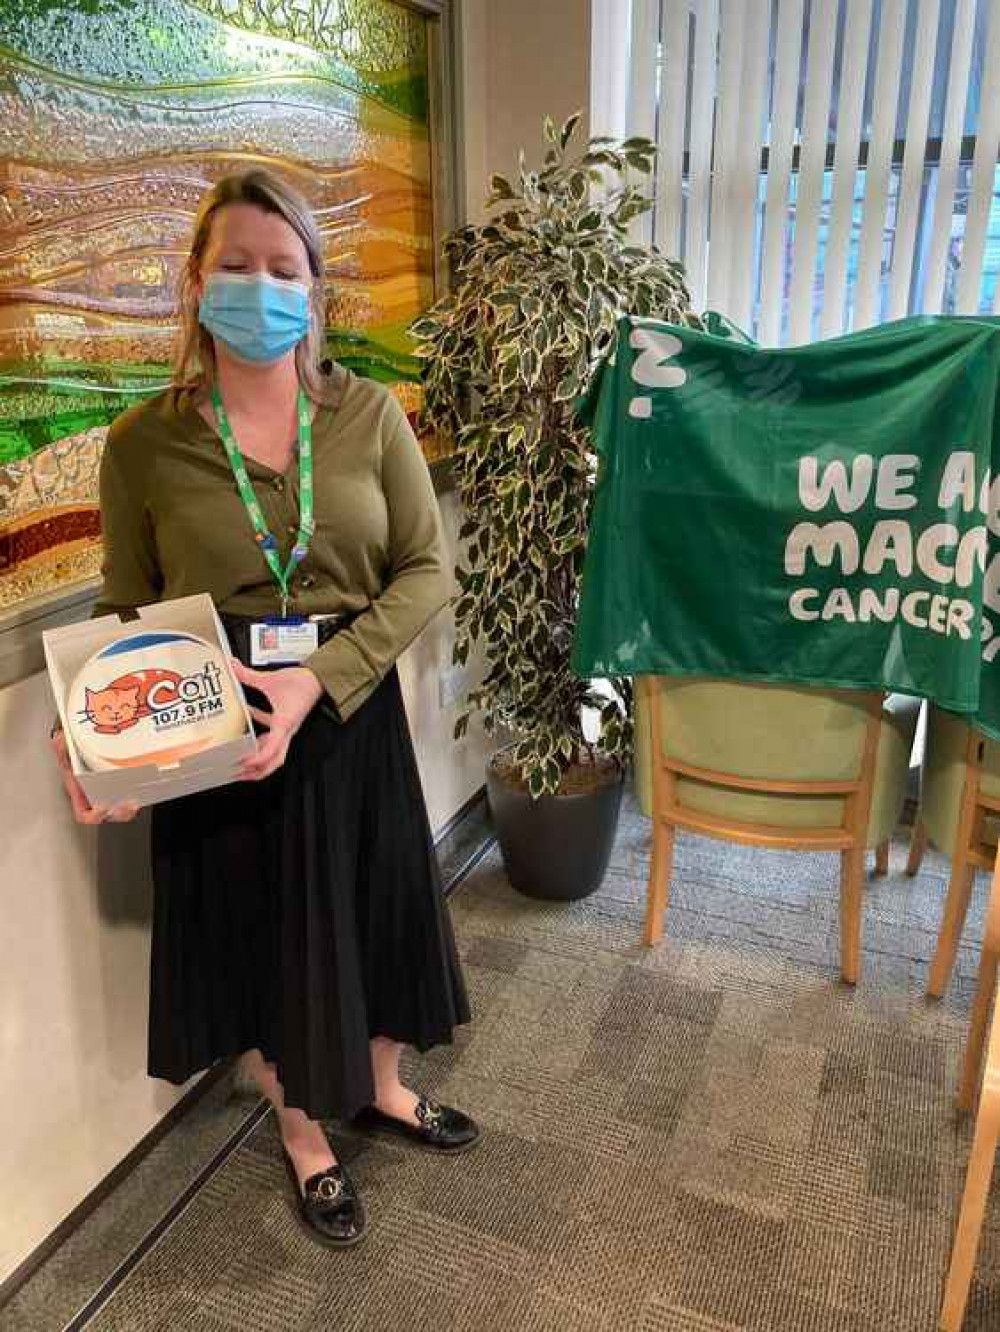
(282, 642)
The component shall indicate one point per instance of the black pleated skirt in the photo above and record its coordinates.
(304, 914)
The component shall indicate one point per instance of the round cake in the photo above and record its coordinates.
(152, 697)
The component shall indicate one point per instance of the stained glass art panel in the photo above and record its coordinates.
(115, 117)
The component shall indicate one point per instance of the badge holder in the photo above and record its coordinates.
(282, 642)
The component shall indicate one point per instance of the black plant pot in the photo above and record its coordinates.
(556, 847)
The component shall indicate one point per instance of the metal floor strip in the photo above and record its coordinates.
(480, 852)
(111, 1283)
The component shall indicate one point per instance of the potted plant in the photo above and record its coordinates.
(534, 304)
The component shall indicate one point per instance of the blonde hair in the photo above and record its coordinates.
(194, 366)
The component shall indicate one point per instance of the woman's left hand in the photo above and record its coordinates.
(292, 691)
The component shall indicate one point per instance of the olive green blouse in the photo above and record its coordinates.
(175, 525)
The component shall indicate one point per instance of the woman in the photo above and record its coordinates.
(298, 913)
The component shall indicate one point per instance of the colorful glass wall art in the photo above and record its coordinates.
(115, 117)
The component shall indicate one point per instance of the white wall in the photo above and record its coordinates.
(537, 63)
(74, 957)
(451, 771)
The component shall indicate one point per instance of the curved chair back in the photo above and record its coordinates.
(960, 765)
(960, 813)
(771, 765)
(799, 752)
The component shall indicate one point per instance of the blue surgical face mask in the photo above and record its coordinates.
(258, 317)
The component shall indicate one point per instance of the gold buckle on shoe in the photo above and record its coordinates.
(329, 1189)
(430, 1114)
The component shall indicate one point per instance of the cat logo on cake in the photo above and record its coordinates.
(153, 697)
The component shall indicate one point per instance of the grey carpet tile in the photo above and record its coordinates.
(715, 1135)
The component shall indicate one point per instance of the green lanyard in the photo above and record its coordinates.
(262, 532)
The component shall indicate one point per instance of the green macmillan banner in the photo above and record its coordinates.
(826, 514)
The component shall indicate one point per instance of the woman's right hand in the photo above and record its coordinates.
(83, 810)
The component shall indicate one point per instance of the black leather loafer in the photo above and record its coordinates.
(441, 1128)
(329, 1206)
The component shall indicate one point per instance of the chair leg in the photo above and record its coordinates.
(852, 872)
(956, 908)
(982, 1006)
(918, 849)
(970, 1216)
(882, 859)
(658, 888)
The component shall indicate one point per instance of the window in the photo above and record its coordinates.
(823, 164)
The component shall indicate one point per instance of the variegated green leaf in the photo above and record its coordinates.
(569, 125)
(504, 353)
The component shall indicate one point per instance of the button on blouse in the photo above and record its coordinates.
(175, 525)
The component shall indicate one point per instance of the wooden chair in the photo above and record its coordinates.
(959, 810)
(772, 765)
(987, 1131)
(989, 962)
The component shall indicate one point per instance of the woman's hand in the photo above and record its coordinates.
(293, 692)
(83, 810)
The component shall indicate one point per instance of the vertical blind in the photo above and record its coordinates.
(822, 165)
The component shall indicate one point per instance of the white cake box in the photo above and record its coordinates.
(68, 649)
